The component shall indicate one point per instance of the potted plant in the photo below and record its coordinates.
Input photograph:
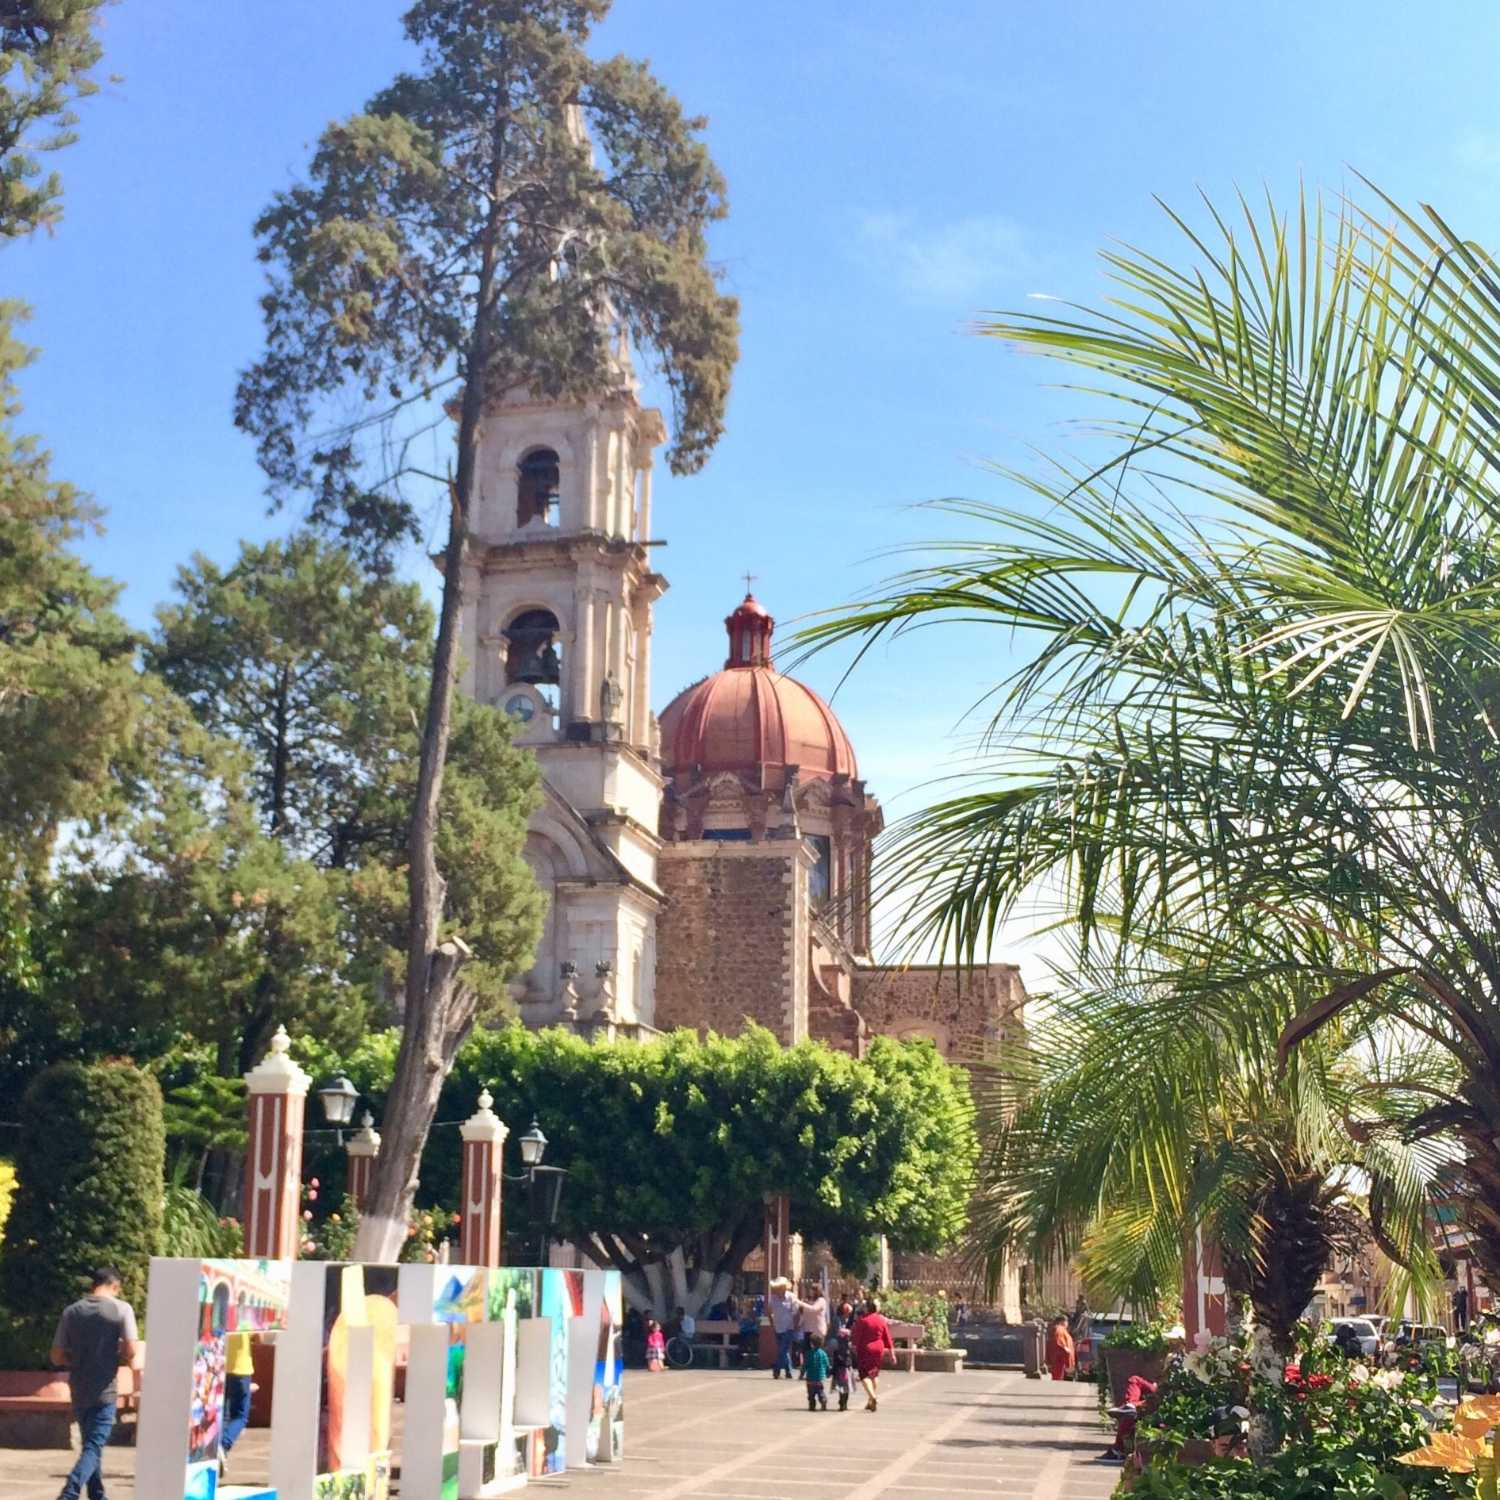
(1134, 1349)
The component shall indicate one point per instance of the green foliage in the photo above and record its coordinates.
(89, 1170)
(1148, 1107)
(912, 1305)
(318, 675)
(1146, 1338)
(880, 1146)
(317, 672)
(192, 1227)
(69, 697)
(202, 1111)
(47, 49)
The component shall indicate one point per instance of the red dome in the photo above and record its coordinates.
(751, 718)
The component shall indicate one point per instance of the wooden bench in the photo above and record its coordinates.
(720, 1336)
(907, 1337)
(36, 1410)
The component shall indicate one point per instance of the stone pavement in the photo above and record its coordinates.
(744, 1436)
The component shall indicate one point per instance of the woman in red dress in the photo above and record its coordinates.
(871, 1339)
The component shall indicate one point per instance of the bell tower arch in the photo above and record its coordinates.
(558, 599)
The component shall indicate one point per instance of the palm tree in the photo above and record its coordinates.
(1265, 688)
(1148, 1109)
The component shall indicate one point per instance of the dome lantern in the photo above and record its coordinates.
(750, 629)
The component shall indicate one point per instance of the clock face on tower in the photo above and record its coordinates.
(521, 706)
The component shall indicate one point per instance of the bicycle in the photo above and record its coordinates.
(679, 1352)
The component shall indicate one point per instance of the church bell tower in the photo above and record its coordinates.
(558, 594)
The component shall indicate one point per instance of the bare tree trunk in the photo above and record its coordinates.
(439, 1010)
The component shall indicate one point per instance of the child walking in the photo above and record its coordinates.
(656, 1347)
(842, 1360)
(815, 1372)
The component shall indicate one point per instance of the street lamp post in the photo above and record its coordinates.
(545, 1185)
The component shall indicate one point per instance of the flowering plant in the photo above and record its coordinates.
(1340, 1427)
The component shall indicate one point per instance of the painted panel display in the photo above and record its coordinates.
(336, 1362)
(562, 1301)
(359, 1314)
(234, 1296)
(607, 1410)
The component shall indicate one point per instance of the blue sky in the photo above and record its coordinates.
(894, 171)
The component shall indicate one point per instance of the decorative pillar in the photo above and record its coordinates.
(582, 707)
(362, 1148)
(277, 1100)
(484, 1147)
(1204, 1304)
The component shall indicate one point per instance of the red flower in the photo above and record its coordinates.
(1319, 1382)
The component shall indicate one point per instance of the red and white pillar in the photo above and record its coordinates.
(1205, 1309)
(483, 1135)
(362, 1149)
(277, 1100)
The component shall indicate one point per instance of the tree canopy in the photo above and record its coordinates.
(880, 1146)
(48, 49)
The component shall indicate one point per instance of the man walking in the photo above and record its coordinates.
(782, 1308)
(95, 1336)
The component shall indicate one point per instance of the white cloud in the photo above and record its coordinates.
(960, 261)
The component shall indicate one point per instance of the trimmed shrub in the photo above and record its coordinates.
(89, 1187)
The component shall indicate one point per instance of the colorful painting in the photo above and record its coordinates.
(607, 1407)
(562, 1301)
(233, 1296)
(338, 1364)
(357, 1298)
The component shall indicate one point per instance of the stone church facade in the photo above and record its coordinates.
(707, 868)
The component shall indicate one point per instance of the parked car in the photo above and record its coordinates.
(1102, 1325)
(1364, 1331)
(1419, 1334)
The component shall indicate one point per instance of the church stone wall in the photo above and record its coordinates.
(966, 1013)
(729, 937)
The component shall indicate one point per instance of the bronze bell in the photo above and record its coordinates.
(536, 665)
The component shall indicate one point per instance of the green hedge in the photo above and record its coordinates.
(88, 1188)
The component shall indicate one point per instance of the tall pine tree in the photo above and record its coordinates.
(459, 239)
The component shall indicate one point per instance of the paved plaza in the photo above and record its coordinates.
(747, 1437)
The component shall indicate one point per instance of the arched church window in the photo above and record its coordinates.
(532, 651)
(538, 477)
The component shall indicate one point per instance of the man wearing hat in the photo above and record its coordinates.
(782, 1308)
